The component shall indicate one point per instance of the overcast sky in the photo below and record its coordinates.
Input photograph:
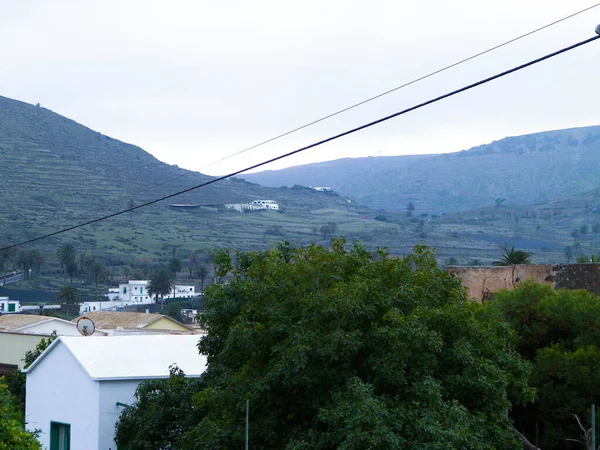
(194, 81)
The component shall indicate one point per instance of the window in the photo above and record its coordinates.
(60, 436)
(124, 290)
(141, 290)
(12, 307)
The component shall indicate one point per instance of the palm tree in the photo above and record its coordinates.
(161, 284)
(512, 257)
(202, 273)
(174, 265)
(66, 255)
(67, 295)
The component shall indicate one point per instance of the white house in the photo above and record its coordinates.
(256, 205)
(135, 292)
(267, 204)
(9, 306)
(35, 324)
(93, 380)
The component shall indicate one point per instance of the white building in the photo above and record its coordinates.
(256, 205)
(135, 292)
(9, 306)
(36, 324)
(93, 380)
(321, 188)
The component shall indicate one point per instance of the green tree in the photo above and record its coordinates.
(193, 262)
(410, 208)
(511, 257)
(67, 295)
(174, 266)
(12, 430)
(559, 332)
(202, 273)
(6, 256)
(591, 259)
(221, 259)
(67, 257)
(162, 412)
(349, 349)
(174, 311)
(161, 284)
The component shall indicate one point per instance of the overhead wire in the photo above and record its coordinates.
(318, 143)
(356, 105)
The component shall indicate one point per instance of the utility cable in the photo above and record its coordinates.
(356, 105)
(318, 143)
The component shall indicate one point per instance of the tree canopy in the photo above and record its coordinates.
(559, 331)
(512, 256)
(12, 432)
(161, 283)
(337, 348)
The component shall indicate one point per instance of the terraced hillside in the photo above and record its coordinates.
(522, 169)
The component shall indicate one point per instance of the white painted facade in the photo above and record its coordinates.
(90, 376)
(72, 398)
(255, 205)
(320, 188)
(135, 292)
(8, 306)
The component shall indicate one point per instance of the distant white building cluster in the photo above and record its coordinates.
(320, 188)
(135, 292)
(255, 205)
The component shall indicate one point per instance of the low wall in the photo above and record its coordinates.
(482, 282)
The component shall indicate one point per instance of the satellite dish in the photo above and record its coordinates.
(86, 326)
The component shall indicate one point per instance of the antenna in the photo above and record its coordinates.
(86, 326)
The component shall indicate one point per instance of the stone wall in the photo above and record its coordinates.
(579, 276)
(482, 282)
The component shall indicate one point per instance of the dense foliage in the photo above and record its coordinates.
(12, 432)
(162, 412)
(343, 349)
(559, 331)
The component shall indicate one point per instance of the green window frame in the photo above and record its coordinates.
(60, 436)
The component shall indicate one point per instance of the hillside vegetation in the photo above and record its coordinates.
(523, 169)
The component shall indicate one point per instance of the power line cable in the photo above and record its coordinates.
(318, 143)
(356, 105)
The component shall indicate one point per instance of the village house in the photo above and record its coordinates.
(8, 306)
(93, 380)
(128, 323)
(20, 333)
(134, 292)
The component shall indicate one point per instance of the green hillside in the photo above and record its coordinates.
(523, 169)
(55, 173)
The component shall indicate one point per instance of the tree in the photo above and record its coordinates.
(583, 229)
(410, 208)
(202, 273)
(30, 262)
(221, 262)
(174, 265)
(12, 429)
(511, 257)
(162, 412)
(349, 349)
(67, 295)
(6, 256)
(194, 262)
(174, 311)
(66, 255)
(558, 331)
(161, 284)
(568, 253)
(326, 231)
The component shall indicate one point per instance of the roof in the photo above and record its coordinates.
(15, 322)
(131, 357)
(111, 320)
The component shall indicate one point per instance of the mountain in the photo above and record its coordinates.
(56, 173)
(523, 169)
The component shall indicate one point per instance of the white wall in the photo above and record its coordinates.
(59, 390)
(13, 346)
(112, 392)
(62, 328)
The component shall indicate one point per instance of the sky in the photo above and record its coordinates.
(194, 81)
